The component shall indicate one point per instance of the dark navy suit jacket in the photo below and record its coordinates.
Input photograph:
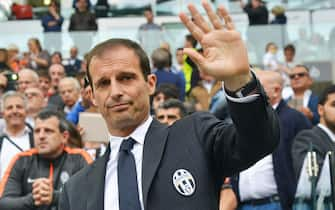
(201, 144)
(291, 122)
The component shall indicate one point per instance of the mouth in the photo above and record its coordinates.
(119, 107)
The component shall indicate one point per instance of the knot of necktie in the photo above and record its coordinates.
(127, 145)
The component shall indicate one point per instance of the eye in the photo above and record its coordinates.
(103, 83)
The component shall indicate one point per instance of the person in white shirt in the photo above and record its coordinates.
(16, 135)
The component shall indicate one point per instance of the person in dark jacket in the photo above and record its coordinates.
(34, 178)
(257, 12)
(279, 13)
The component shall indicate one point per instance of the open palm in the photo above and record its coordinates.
(224, 53)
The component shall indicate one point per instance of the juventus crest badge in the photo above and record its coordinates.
(183, 182)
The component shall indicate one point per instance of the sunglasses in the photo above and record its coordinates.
(302, 74)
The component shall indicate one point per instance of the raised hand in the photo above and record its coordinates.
(224, 53)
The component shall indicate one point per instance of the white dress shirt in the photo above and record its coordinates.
(111, 201)
(8, 150)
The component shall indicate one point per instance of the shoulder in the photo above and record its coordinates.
(78, 153)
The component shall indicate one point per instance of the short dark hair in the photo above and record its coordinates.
(168, 90)
(148, 9)
(161, 58)
(302, 66)
(174, 103)
(290, 47)
(101, 48)
(48, 113)
(325, 93)
(43, 73)
(191, 39)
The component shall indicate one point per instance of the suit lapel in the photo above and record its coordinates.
(96, 182)
(154, 145)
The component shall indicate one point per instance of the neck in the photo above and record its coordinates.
(124, 131)
(299, 93)
(15, 130)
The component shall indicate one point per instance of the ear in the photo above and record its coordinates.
(151, 82)
(321, 110)
(66, 136)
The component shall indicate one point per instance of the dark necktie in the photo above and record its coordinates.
(127, 178)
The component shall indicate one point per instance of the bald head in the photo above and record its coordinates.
(27, 78)
(272, 83)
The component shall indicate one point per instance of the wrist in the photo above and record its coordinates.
(238, 82)
(249, 88)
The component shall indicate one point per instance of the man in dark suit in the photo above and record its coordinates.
(320, 136)
(181, 166)
(277, 189)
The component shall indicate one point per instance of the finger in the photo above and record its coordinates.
(194, 55)
(198, 19)
(223, 13)
(215, 20)
(196, 32)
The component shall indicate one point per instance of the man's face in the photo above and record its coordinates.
(157, 100)
(300, 79)
(168, 116)
(44, 84)
(327, 112)
(149, 16)
(180, 57)
(255, 3)
(49, 140)
(82, 5)
(26, 80)
(14, 111)
(73, 52)
(289, 55)
(120, 90)
(57, 73)
(69, 93)
(35, 99)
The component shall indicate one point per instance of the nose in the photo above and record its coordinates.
(116, 90)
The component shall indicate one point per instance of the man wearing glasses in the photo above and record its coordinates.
(302, 99)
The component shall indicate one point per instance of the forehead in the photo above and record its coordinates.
(51, 122)
(25, 75)
(33, 90)
(330, 98)
(169, 111)
(115, 60)
(13, 100)
(299, 69)
(56, 69)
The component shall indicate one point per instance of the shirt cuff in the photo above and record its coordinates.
(246, 99)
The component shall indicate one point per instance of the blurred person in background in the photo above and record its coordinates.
(35, 103)
(170, 111)
(85, 21)
(72, 64)
(3, 84)
(56, 72)
(52, 24)
(279, 14)
(56, 58)
(161, 61)
(37, 58)
(27, 78)
(203, 93)
(270, 59)
(303, 98)
(14, 58)
(69, 90)
(4, 60)
(257, 12)
(162, 93)
(44, 82)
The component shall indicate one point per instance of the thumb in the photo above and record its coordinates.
(196, 57)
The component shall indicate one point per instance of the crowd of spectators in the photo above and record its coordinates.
(33, 83)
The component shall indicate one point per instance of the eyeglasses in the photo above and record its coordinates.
(302, 74)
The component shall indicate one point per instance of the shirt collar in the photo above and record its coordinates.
(25, 131)
(328, 131)
(138, 134)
